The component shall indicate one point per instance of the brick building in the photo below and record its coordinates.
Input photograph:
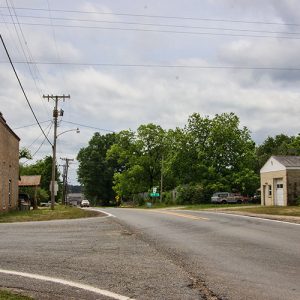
(9, 167)
(280, 180)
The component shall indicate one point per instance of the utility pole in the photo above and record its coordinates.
(64, 182)
(65, 185)
(56, 113)
(161, 177)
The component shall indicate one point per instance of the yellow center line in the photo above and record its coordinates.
(180, 215)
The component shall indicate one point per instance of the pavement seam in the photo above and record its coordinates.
(196, 282)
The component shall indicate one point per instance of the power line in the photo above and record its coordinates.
(84, 64)
(161, 31)
(30, 125)
(22, 34)
(21, 86)
(87, 126)
(157, 25)
(159, 16)
(50, 124)
(38, 149)
(30, 57)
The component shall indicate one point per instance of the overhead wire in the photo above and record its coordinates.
(30, 125)
(50, 124)
(28, 56)
(160, 16)
(158, 24)
(162, 31)
(21, 86)
(54, 38)
(84, 64)
(87, 126)
(40, 144)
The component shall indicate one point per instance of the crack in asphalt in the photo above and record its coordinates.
(176, 258)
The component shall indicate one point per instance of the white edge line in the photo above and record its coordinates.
(243, 216)
(67, 282)
(108, 215)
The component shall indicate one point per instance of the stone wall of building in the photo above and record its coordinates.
(9, 167)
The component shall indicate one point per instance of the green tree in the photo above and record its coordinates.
(95, 172)
(24, 153)
(139, 156)
(281, 144)
(210, 151)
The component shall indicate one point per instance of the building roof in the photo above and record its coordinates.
(33, 180)
(288, 161)
(3, 121)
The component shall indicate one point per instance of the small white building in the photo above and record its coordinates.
(280, 181)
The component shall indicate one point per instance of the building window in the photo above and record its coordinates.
(270, 190)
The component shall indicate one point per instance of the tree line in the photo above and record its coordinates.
(205, 156)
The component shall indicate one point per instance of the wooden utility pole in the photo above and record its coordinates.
(161, 178)
(65, 177)
(56, 113)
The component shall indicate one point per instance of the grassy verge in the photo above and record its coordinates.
(216, 206)
(12, 296)
(293, 211)
(45, 214)
(191, 207)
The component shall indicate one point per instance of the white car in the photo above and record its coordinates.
(85, 203)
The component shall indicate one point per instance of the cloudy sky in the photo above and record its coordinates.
(129, 62)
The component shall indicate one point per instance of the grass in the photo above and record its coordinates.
(12, 296)
(293, 211)
(216, 206)
(46, 214)
(191, 206)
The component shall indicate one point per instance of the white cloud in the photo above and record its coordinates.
(118, 98)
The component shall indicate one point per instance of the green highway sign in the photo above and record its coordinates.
(154, 194)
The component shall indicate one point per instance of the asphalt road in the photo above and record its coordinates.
(154, 254)
(235, 257)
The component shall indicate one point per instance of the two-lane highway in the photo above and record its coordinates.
(152, 254)
(237, 257)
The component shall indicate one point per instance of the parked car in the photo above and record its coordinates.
(225, 197)
(85, 203)
(24, 201)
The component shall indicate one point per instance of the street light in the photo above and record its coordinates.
(77, 131)
(54, 158)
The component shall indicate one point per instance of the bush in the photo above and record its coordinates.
(190, 194)
(138, 200)
(168, 199)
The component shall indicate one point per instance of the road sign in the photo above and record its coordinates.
(154, 194)
(55, 187)
(154, 190)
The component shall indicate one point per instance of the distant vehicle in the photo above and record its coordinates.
(24, 202)
(47, 204)
(225, 197)
(255, 199)
(85, 203)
